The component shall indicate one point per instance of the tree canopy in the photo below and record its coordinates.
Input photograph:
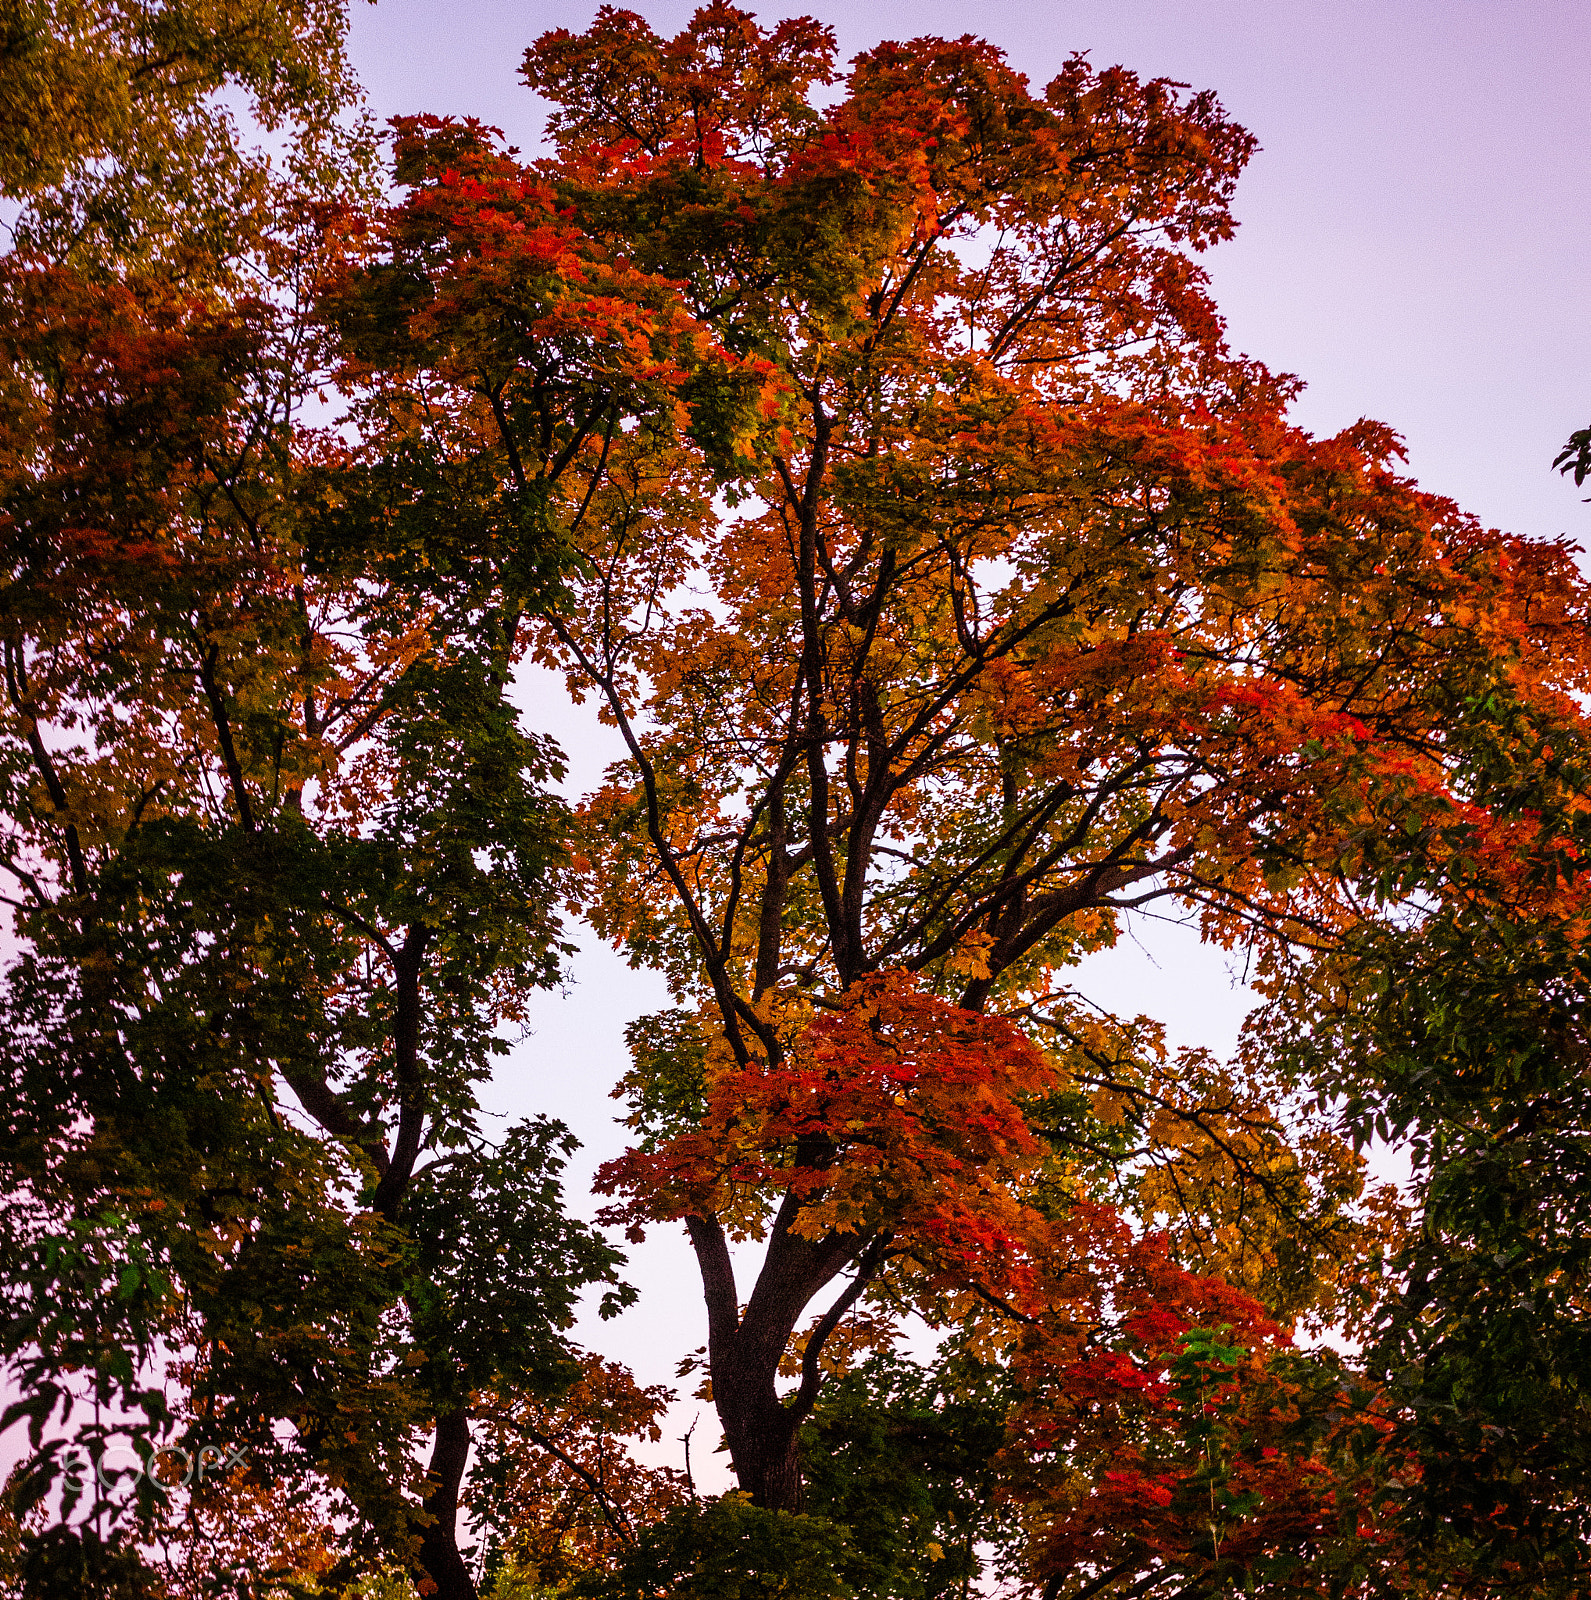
(865, 448)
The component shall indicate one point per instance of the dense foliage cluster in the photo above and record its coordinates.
(866, 450)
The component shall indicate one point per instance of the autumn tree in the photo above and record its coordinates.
(1022, 608)
(1167, 1439)
(558, 1488)
(869, 451)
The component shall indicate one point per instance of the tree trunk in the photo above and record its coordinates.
(440, 1560)
(745, 1349)
(760, 1431)
(768, 1462)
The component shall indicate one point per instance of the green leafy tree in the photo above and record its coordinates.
(1575, 457)
(285, 868)
(908, 1458)
(121, 138)
(1462, 1036)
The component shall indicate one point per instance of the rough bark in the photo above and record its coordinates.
(439, 1550)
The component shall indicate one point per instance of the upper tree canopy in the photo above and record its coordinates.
(119, 122)
(958, 593)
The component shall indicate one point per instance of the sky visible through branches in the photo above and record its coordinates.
(1412, 243)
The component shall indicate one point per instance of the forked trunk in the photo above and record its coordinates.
(745, 1349)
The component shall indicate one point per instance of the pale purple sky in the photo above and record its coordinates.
(1413, 243)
